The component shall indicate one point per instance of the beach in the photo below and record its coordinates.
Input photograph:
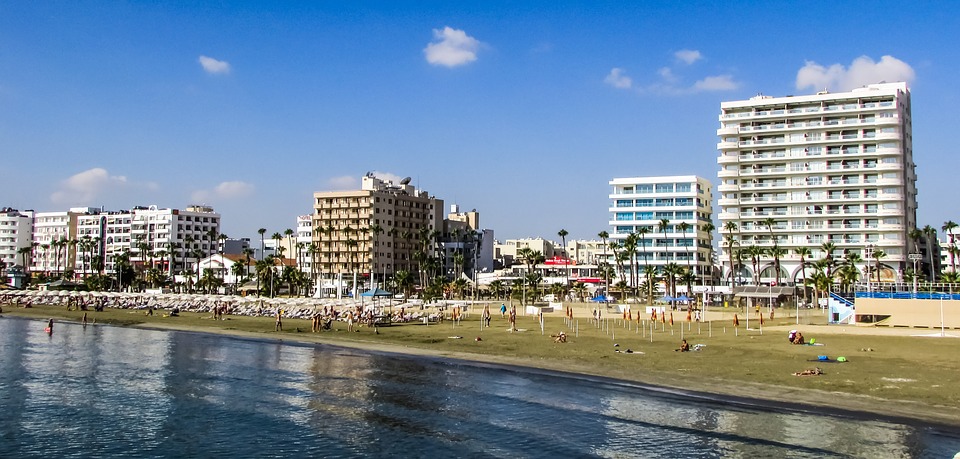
(902, 374)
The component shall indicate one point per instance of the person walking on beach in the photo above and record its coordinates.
(279, 320)
(84, 321)
(49, 328)
(503, 310)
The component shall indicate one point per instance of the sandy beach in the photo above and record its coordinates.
(742, 366)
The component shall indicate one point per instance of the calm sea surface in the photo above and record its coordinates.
(112, 391)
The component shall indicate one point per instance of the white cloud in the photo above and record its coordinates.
(451, 48)
(716, 83)
(688, 56)
(862, 71)
(667, 74)
(617, 79)
(345, 182)
(84, 188)
(214, 66)
(222, 192)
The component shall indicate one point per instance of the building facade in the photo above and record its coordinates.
(16, 234)
(801, 171)
(86, 239)
(375, 231)
(670, 218)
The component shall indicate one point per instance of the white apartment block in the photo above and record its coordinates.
(16, 232)
(825, 168)
(304, 254)
(51, 233)
(175, 238)
(656, 208)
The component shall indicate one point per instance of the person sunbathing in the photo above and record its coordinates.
(814, 372)
(798, 339)
(560, 338)
(684, 346)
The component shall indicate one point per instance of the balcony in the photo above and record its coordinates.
(728, 174)
(728, 159)
(728, 130)
(723, 188)
(727, 202)
(728, 145)
(889, 166)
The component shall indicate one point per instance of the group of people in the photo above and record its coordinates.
(796, 337)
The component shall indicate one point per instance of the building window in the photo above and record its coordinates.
(664, 188)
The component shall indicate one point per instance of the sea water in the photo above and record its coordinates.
(101, 391)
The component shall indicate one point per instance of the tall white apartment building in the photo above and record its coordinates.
(52, 232)
(16, 232)
(670, 215)
(175, 238)
(823, 168)
(181, 237)
(304, 255)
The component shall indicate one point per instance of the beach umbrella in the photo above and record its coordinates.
(663, 317)
(736, 321)
(671, 319)
(761, 318)
(689, 315)
(653, 315)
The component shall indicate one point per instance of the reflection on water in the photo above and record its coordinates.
(121, 391)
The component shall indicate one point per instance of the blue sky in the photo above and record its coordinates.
(521, 110)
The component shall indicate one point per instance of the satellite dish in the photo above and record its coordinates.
(406, 181)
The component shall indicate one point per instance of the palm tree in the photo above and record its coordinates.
(948, 228)
(708, 228)
(650, 272)
(803, 253)
(775, 252)
(731, 241)
(563, 241)
(929, 233)
(629, 246)
(684, 227)
(603, 235)
(261, 232)
(642, 232)
(877, 256)
(755, 252)
(828, 249)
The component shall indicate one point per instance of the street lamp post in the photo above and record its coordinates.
(915, 258)
(868, 252)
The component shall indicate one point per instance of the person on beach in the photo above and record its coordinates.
(49, 328)
(684, 347)
(814, 372)
(798, 339)
(84, 320)
(279, 326)
(503, 310)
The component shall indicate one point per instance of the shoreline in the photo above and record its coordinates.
(807, 400)
(716, 389)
